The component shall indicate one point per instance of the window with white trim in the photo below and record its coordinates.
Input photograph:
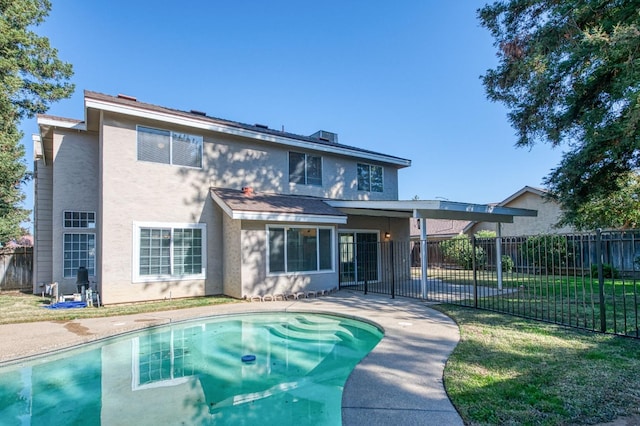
(169, 251)
(164, 146)
(305, 169)
(79, 250)
(300, 249)
(370, 178)
(74, 219)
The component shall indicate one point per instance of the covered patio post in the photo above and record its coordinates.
(499, 254)
(423, 256)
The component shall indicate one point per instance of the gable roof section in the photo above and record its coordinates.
(275, 207)
(130, 106)
(537, 191)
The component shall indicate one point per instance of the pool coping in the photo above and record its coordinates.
(399, 382)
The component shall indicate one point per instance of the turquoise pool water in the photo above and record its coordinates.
(192, 373)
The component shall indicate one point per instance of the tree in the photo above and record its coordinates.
(31, 77)
(569, 71)
(617, 210)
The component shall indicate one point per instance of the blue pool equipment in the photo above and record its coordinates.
(248, 358)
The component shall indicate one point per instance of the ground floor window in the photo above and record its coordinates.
(79, 250)
(169, 251)
(300, 249)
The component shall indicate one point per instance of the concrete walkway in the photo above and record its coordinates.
(399, 382)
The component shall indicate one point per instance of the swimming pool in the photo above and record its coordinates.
(194, 373)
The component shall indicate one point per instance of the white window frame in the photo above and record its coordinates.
(95, 247)
(317, 271)
(306, 168)
(171, 133)
(135, 272)
(369, 166)
(89, 224)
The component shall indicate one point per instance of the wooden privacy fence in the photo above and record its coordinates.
(16, 268)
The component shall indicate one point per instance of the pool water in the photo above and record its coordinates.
(193, 373)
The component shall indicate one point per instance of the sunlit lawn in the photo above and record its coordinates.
(573, 300)
(18, 307)
(512, 371)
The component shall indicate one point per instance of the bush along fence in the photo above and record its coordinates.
(589, 280)
(16, 268)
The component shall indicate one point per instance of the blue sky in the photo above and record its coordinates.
(402, 78)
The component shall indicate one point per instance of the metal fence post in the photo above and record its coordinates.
(603, 310)
(474, 266)
(366, 269)
(393, 271)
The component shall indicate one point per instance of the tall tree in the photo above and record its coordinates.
(569, 71)
(31, 77)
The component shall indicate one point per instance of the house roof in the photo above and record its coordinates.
(537, 191)
(131, 106)
(275, 207)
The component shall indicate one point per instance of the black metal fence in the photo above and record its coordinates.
(589, 281)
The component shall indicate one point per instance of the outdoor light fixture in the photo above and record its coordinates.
(387, 235)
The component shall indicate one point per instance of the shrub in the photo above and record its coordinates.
(547, 252)
(608, 271)
(507, 264)
(459, 250)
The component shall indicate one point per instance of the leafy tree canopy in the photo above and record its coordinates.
(31, 77)
(569, 71)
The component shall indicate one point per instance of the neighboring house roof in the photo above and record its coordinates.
(444, 228)
(247, 205)
(131, 106)
(537, 191)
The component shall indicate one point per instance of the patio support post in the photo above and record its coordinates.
(499, 254)
(423, 256)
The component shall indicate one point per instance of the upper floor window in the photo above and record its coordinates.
(164, 146)
(370, 178)
(305, 168)
(79, 220)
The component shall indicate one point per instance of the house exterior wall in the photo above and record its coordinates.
(43, 236)
(548, 214)
(232, 269)
(99, 171)
(255, 279)
(231, 163)
(74, 183)
(135, 192)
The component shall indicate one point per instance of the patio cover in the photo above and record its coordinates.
(435, 209)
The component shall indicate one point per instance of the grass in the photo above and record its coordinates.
(16, 307)
(513, 371)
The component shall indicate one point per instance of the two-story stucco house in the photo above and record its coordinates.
(160, 203)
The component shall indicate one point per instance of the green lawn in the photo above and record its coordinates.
(512, 371)
(571, 300)
(18, 307)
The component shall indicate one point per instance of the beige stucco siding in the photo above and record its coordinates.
(75, 188)
(233, 162)
(255, 279)
(135, 192)
(43, 237)
(232, 266)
